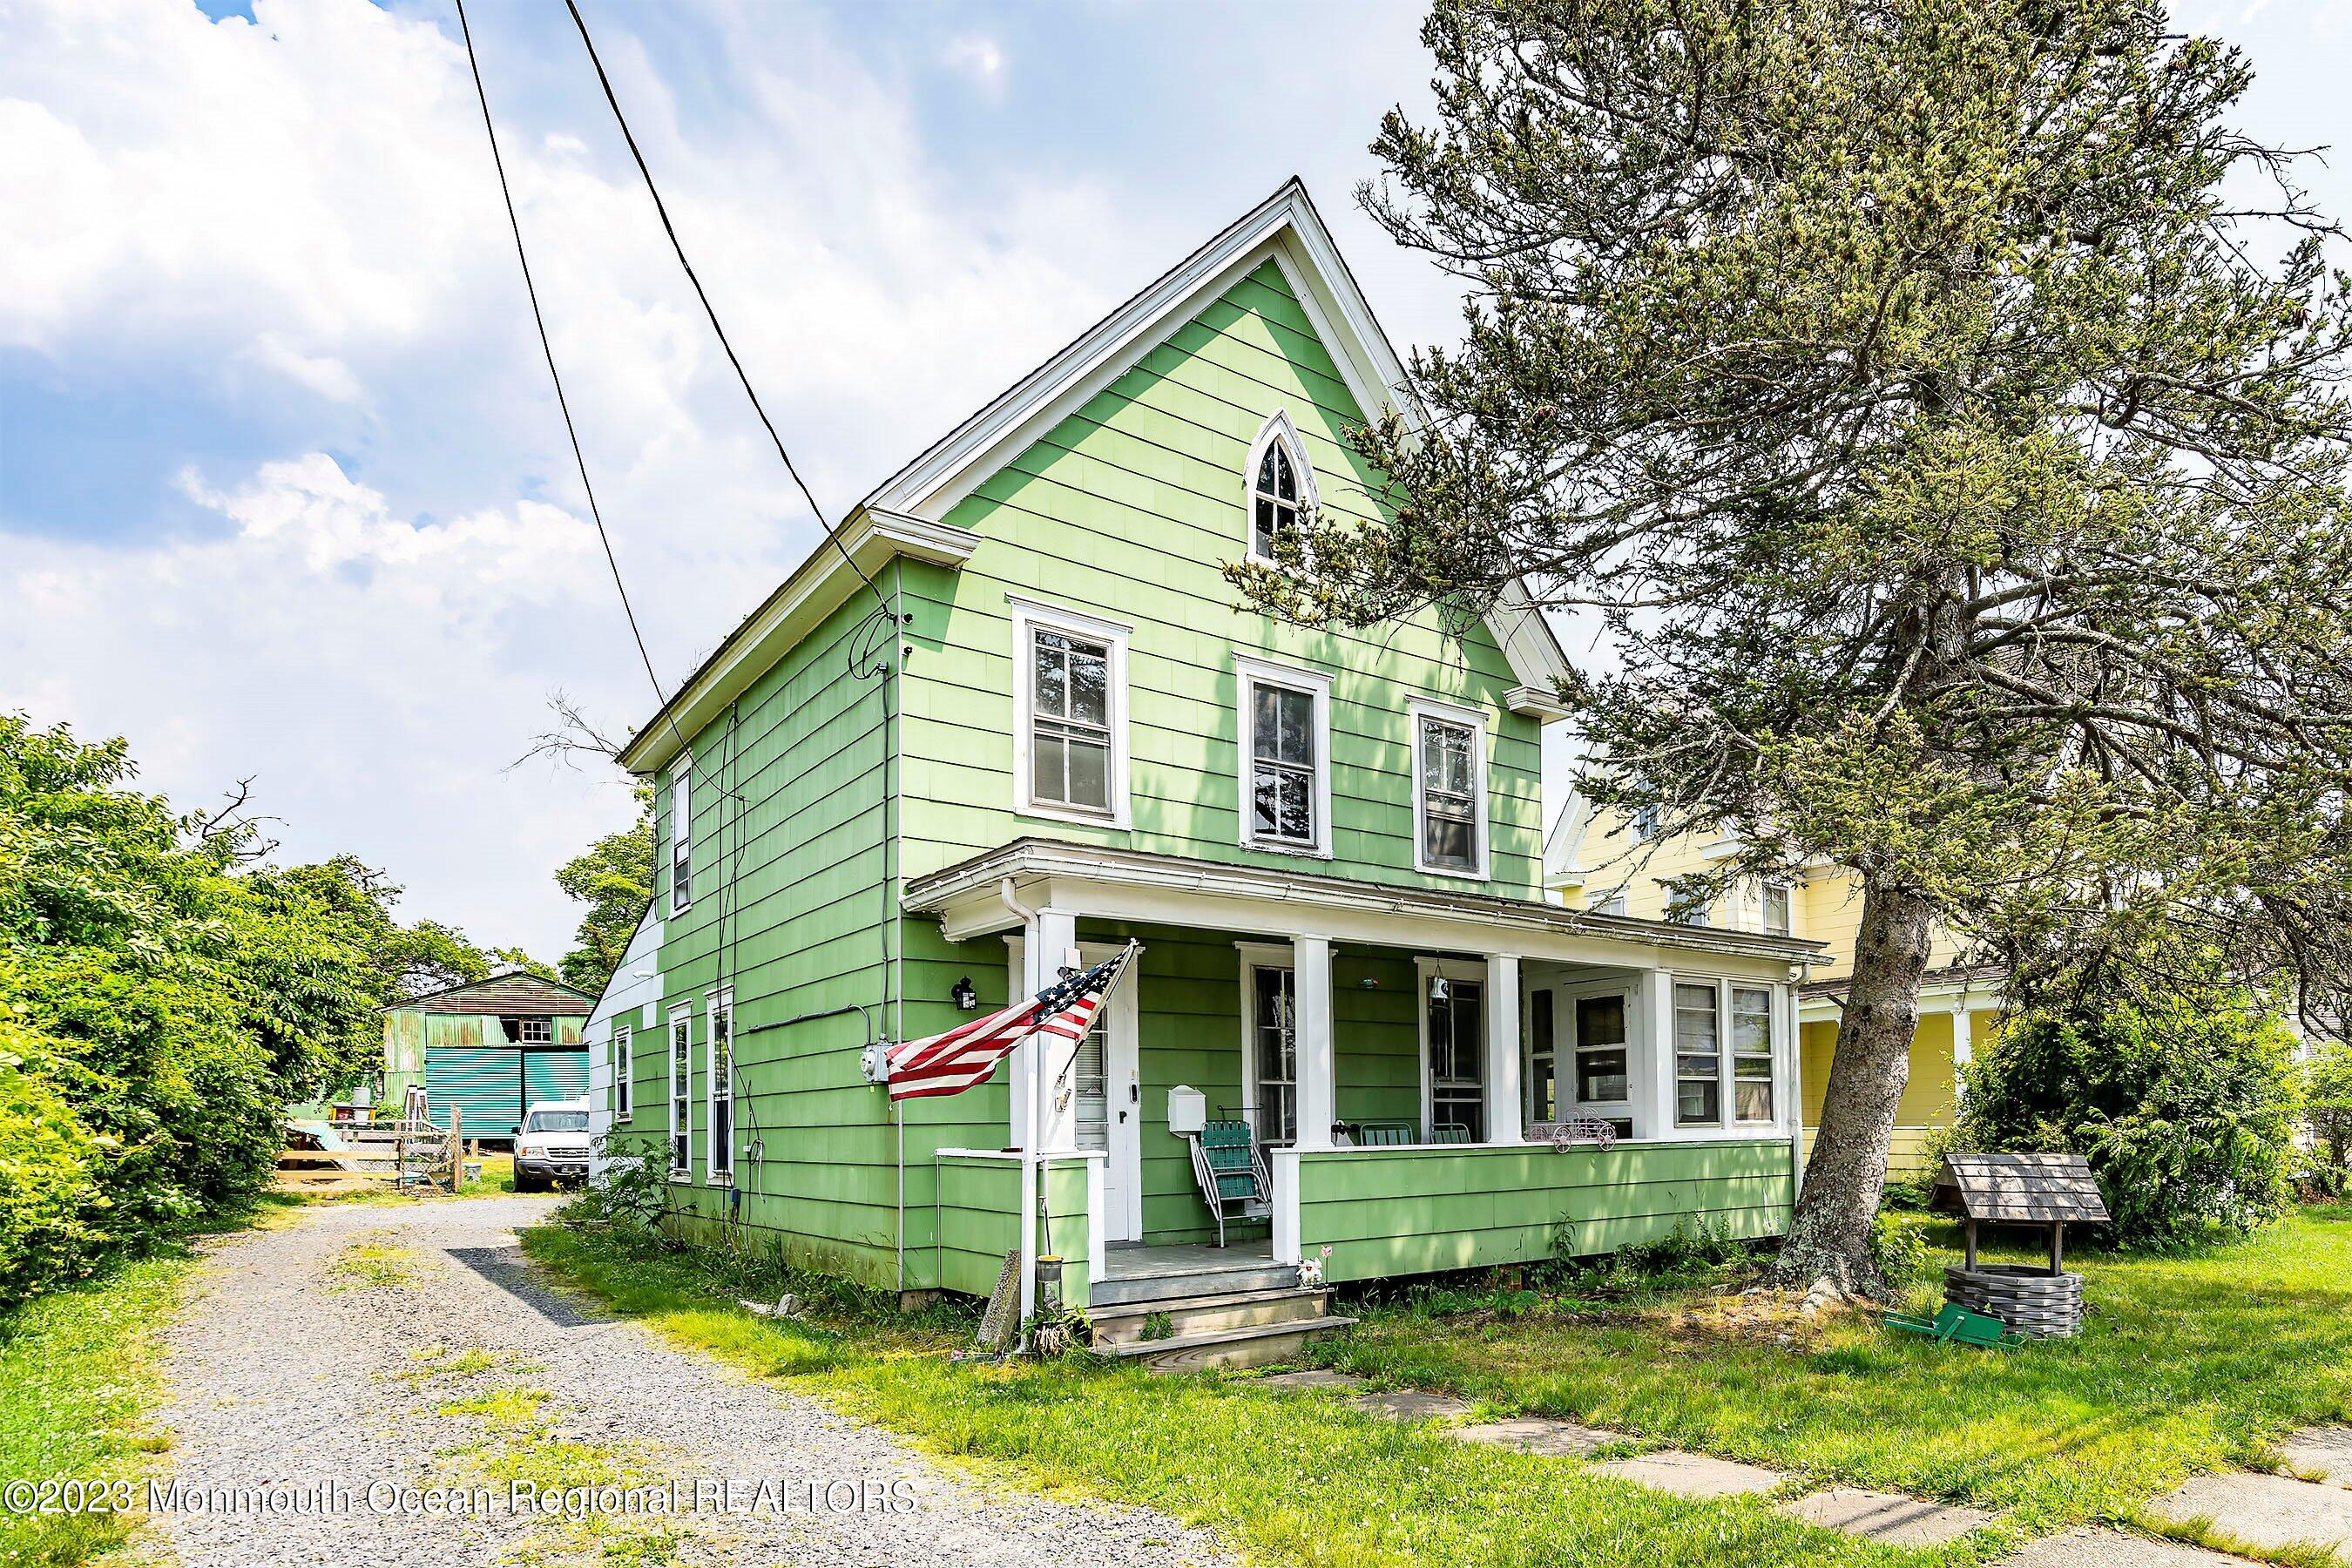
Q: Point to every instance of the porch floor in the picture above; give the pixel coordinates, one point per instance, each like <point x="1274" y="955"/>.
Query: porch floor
<point x="1135" y="1260"/>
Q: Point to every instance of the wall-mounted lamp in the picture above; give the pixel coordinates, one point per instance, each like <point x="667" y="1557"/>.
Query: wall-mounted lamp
<point x="965" y="998"/>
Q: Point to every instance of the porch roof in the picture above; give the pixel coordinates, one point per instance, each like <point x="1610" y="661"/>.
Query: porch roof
<point x="1174" y="889"/>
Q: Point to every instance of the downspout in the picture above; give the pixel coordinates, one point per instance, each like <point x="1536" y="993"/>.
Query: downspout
<point x="1031" y="1171"/>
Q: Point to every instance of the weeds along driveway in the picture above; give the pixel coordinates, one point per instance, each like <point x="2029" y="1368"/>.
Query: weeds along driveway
<point x="325" y="1374"/>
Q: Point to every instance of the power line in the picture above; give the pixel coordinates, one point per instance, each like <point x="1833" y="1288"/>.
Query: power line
<point x="538" y="319"/>
<point x="740" y="374"/>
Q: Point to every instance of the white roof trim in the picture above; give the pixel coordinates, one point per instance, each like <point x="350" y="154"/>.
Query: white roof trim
<point x="815" y="590"/>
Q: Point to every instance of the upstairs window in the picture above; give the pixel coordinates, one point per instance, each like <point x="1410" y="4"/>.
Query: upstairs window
<point x="1281" y="488"/>
<point x="681" y="841"/>
<point x="1449" y="790"/>
<point x="625" y="1074"/>
<point x="1285" y="730"/>
<point x="1776" y="908"/>
<point x="1070" y="715"/>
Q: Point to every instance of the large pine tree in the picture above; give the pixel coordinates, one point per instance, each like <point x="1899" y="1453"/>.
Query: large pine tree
<point x="1939" y="407"/>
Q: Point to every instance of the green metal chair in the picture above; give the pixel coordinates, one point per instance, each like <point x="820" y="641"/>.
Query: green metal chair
<point x="1450" y="1133"/>
<point x="1383" y="1134"/>
<point x="1231" y="1169"/>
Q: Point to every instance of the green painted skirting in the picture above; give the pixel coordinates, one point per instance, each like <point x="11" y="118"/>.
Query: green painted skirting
<point x="1389" y="1212"/>
<point x="980" y="1221"/>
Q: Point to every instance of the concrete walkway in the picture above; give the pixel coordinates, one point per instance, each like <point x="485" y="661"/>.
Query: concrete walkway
<point x="2266" y="1512"/>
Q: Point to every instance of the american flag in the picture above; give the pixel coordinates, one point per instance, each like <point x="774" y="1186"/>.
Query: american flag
<point x="964" y="1055"/>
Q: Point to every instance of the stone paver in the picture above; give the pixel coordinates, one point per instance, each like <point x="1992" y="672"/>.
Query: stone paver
<point x="2112" y="1549"/>
<point x="2268" y="1511"/>
<point x="2322" y="1451"/>
<point x="1315" y="1377"/>
<point x="1412" y="1405"/>
<point x="1538" y="1434"/>
<point x="1691" y="1475"/>
<point x="1886" y="1515"/>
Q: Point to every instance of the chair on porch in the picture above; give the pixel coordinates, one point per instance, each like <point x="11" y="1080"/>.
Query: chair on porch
<point x="1450" y="1133"/>
<point x="1384" y="1135"/>
<point x="1231" y="1169"/>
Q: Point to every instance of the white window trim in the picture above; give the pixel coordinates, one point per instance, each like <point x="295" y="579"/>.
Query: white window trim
<point x="1453" y="969"/>
<point x="1726" y="1092"/>
<point x="1764" y="891"/>
<point x="1257" y="955"/>
<point x="715" y="1173"/>
<point x="1250" y="673"/>
<point x="1030" y="615"/>
<point x="681" y="790"/>
<point x="1417" y="710"/>
<point x="621" y="1051"/>
<point x="680" y="1097"/>
<point x="1278" y="427"/>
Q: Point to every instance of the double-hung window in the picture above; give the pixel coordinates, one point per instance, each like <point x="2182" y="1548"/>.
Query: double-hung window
<point x="1070" y="715"/>
<point x="1603" y="1076"/>
<point x="720" y="1074"/>
<point x="682" y="1092"/>
<point x="1751" y="1054"/>
<point x="625" y="1073"/>
<point x="681" y="840"/>
<point x="1776" y="908"/>
<point x="1281" y="489"/>
<point x="1285" y="730"/>
<point x="1543" y="1060"/>
<point x="1707" y="1075"/>
<point x="1449" y="797"/>
<point x="1698" y="1056"/>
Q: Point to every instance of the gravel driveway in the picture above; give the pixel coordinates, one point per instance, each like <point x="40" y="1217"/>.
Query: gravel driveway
<point x="364" y="1349"/>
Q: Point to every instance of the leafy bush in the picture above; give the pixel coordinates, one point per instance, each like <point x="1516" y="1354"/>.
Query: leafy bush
<point x="1898" y="1245"/>
<point x="2327" y="1084"/>
<point x="2183" y="1101"/>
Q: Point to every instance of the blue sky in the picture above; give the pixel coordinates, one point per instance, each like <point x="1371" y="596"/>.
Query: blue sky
<point x="282" y="489"/>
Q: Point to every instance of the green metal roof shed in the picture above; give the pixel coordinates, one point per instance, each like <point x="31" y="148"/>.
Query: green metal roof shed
<point x="490" y="1049"/>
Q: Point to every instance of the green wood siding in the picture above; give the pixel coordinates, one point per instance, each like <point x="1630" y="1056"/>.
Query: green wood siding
<point x="1385" y="1212"/>
<point x="1129" y="510"/>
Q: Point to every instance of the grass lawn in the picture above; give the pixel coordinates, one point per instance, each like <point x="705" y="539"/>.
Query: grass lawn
<point x="2187" y="1364"/>
<point x="1301" y="1479"/>
<point x="77" y="1375"/>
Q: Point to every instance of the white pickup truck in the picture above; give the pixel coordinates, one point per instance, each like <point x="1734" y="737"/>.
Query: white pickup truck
<point x="551" y="1145"/>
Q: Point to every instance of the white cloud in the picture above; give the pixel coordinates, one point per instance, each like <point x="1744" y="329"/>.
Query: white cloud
<point x="978" y="57"/>
<point x="322" y="374"/>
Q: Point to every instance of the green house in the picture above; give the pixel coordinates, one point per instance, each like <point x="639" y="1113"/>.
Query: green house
<point x="491" y="1049"/>
<point x="1009" y="717"/>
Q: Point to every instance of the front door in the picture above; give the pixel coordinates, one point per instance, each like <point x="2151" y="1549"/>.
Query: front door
<point x="1106" y="1107"/>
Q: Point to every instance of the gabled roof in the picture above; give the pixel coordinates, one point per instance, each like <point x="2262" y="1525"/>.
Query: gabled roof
<point x="518" y="995"/>
<point x="1285" y="229"/>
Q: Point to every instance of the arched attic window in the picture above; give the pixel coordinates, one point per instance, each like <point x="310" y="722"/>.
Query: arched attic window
<point x="1281" y="486"/>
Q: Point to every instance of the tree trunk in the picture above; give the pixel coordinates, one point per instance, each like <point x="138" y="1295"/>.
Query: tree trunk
<point x="1829" y="1237"/>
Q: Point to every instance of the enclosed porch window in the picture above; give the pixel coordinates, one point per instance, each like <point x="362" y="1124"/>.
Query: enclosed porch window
<point x="1455" y="1040"/>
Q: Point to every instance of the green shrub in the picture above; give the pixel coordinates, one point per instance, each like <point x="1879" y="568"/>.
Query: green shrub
<point x="2183" y="1103"/>
<point x="2326" y="1084"/>
<point x="1898" y="1245"/>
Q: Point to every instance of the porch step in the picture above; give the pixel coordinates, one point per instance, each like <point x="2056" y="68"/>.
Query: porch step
<point x="1255" y="1344"/>
<point x="1117" y="1327"/>
<point x="1243" y="1275"/>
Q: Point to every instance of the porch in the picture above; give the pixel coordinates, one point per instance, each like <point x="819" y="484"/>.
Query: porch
<point x="1388" y="1049"/>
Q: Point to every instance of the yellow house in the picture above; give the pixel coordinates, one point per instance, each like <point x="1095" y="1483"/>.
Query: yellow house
<point x="1608" y="863"/>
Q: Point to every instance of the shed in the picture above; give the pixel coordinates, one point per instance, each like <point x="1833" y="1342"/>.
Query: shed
<point x="491" y="1049"/>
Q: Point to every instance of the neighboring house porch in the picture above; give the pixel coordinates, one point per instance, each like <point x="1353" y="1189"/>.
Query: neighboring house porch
<point x="1388" y="1048"/>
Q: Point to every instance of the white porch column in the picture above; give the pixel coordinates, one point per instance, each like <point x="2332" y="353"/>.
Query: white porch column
<point x="1653" y="1070"/>
<point x="1964" y="1049"/>
<point x="1058" y="939"/>
<point x="1311" y="1026"/>
<point x="1506" y="1120"/>
<point x="1017" y="970"/>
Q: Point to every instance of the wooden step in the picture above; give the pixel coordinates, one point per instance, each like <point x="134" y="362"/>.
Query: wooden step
<point x="1236" y="1279"/>
<point x="1126" y="1324"/>
<point x="1255" y="1345"/>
